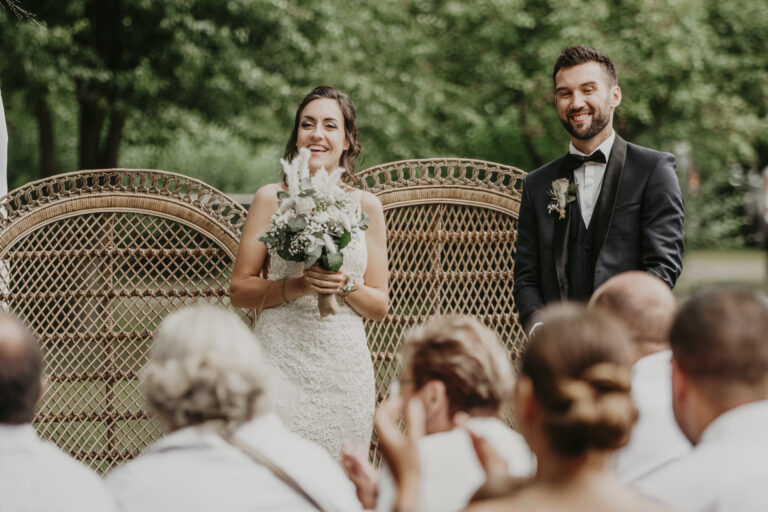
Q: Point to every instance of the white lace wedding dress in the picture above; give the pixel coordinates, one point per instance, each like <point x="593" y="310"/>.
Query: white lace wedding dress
<point x="324" y="387"/>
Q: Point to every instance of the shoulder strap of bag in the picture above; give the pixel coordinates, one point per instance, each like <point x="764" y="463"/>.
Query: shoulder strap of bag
<point x="277" y="471"/>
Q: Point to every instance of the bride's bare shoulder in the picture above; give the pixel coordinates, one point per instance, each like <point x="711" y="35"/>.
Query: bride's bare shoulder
<point x="270" y="189"/>
<point x="369" y="202"/>
<point x="268" y="193"/>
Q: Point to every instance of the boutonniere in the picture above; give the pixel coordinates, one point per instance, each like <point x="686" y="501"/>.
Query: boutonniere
<point x="561" y="193"/>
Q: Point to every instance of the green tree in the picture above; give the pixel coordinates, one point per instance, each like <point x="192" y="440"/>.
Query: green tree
<point x="141" y="62"/>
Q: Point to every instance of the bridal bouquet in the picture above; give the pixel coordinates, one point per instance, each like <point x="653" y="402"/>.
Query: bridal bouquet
<point x="314" y="221"/>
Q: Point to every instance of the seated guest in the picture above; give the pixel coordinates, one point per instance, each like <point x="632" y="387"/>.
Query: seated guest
<point x="720" y="395"/>
<point x="206" y="379"/>
<point x="459" y="369"/>
<point x="645" y="305"/>
<point x="572" y="405"/>
<point x="34" y="474"/>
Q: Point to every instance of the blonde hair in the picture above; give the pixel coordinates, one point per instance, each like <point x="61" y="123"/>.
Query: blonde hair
<point x="466" y="356"/>
<point x="580" y="364"/>
<point x="205" y="367"/>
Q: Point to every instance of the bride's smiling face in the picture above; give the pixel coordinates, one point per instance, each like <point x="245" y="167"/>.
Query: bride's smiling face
<point x="321" y="130"/>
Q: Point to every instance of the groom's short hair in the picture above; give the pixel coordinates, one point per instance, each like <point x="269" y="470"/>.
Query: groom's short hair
<point x="579" y="54"/>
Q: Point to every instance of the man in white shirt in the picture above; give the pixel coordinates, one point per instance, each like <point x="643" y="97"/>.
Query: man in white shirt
<point x="720" y="399"/>
<point x="34" y="474"/>
<point x="606" y="207"/>
<point x="646" y="306"/>
<point x="207" y="379"/>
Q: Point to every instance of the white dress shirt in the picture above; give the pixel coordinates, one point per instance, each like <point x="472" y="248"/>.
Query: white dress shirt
<point x="727" y="471"/>
<point x="37" y="476"/>
<point x="450" y="471"/>
<point x="589" y="178"/>
<point x="656" y="439"/>
<point x="194" y="469"/>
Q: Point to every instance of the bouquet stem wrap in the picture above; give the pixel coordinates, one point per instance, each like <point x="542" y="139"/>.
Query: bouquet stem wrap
<point x="327" y="304"/>
<point x="314" y="221"/>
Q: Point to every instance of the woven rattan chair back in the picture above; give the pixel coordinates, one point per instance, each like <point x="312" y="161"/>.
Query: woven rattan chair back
<point x="451" y="227"/>
<point x="92" y="261"/>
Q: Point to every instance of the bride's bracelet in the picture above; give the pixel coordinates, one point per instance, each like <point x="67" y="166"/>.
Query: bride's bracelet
<point x="349" y="287"/>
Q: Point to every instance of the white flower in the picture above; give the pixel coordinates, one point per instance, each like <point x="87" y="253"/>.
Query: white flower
<point x="329" y="243"/>
<point x="561" y="193"/>
<point x="296" y="170"/>
<point x="304" y="205"/>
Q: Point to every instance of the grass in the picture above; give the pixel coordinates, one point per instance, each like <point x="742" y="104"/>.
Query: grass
<point x="717" y="267"/>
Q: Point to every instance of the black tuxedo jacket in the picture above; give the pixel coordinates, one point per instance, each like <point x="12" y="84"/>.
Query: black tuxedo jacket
<point x="638" y="225"/>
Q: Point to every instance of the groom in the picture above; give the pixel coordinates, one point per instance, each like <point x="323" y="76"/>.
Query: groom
<point x="625" y="211"/>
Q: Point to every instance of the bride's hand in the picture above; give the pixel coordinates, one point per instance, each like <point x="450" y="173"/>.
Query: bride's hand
<point x="319" y="280"/>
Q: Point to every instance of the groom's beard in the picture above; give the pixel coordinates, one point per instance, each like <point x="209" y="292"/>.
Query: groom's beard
<point x="599" y="121"/>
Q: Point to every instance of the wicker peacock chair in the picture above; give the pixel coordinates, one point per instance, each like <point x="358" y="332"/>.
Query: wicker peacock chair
<point x="92" y="261"/>
<point x="451" y="228"/>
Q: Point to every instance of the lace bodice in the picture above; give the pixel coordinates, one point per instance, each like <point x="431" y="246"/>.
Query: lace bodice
<point x="324" y="386"/>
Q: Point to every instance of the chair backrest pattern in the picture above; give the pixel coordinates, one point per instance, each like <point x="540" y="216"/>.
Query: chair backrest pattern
<point x="451" y="228"/>
<point x="92" y="261"/>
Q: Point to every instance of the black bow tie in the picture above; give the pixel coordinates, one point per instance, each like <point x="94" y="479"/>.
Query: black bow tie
<point x="577" y="161"/>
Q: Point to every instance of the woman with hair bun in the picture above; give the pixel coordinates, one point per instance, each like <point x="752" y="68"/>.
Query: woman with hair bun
<point x="574" y="409"/>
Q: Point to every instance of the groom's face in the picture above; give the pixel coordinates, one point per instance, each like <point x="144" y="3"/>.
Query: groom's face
<point x="585" y="100"/>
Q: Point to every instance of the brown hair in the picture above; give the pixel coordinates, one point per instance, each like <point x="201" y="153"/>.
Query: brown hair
<point x="579" y="54"/>
<point x="466" y="357"/>
<point x="350" y="154"/>
<point x="579" y="362"/>
<point x="721" y="335"/>
<point x="21" y="364"/>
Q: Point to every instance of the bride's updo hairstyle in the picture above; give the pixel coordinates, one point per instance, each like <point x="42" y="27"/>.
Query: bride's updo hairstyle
<point x="350" y="154"/>
<point x="579" y="362"/>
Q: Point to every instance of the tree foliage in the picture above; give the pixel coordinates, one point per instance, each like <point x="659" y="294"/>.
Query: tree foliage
<point x="208" y="87"/>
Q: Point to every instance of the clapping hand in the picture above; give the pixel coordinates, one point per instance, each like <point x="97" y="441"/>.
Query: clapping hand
<point x="354" y="460"/>
<point x="401" y="451"/>
<point x="493" y="463"/>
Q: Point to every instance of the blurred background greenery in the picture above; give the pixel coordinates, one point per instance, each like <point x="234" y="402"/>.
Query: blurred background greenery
<point x="208" y="88"/>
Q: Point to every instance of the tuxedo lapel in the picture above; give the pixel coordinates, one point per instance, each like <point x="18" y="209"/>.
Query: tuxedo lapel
<point x="603" y="214"/>
<point x="561" y="234"/>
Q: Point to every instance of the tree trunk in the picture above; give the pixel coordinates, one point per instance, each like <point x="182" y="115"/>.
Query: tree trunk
<point x="48" y="163"/>
<point x="109" y="157"/>
<point x="530" y="148"/>
<point x="92" y="115"/>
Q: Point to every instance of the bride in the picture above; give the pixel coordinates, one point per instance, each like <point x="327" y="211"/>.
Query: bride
<point x="325" y="389"/>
